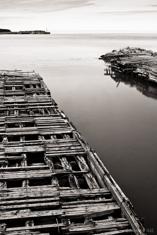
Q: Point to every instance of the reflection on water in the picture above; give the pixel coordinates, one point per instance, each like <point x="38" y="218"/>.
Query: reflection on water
<point x="148" y="89"/>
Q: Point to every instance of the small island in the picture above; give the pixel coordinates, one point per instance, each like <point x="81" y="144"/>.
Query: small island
<point x="8" y="31"/>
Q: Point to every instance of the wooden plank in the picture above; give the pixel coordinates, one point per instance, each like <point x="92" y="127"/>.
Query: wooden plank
<point x="21" y="131"/>
<point x="55" y="131"/>
<point x="83" y="193"/>
<point x="99" y="227"/>
<point x="22" y="168"/>
<point x="26" y="175"/>
<point x="36" y="206"/>
<point x="38" y="174"/>
<point x="37" y="227"/>
<point x="26" y="194"/>
<point x="62" y="143"/>
<point x="21" y="149"/>
<point x="18" y="119"/>
<point x="49" y="191"/>
<point x="94" y="201"/>
<point x="91" y="210"/>
<point x="17" y="214"/>
<point x="65" y="148"/>
<point x="19" y="201"/>
<point x="65" y="153"/>
<point x="25" y="232"/>
<point x="88" y="205"/>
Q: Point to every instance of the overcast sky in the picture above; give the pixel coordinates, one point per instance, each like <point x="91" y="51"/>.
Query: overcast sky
<point x="70" y="15"/>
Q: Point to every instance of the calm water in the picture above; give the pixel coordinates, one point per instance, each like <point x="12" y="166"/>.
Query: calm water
<point x="118" y="122"/>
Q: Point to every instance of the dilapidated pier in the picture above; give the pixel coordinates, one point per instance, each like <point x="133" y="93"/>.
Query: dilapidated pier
<point x="51" y="181"/>
<point x="139" y="62"/>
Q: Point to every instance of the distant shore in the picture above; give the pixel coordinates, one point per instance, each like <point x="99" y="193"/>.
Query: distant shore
<point x="8" y="31"/>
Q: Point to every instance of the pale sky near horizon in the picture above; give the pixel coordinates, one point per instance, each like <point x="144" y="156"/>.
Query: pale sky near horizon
<point x="82" y="15"/>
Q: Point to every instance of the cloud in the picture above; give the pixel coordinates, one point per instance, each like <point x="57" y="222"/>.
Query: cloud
<point x="42" y="5"/>
<point x="129" y="12"/>
<point x="78" y="14"/>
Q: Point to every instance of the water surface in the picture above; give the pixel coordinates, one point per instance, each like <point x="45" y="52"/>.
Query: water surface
<point x="118" y="122"/>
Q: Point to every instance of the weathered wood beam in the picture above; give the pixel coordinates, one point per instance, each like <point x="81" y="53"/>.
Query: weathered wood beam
<point x="26" y="205"/>
<point x="91" y="210"/>
<point x="37" y="227"/>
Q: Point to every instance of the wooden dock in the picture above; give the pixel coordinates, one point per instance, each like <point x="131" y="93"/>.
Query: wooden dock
<point x="51" y="181"/>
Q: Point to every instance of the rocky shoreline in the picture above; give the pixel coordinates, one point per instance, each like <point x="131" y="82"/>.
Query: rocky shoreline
<point x="8" y="31"/>
<point x="140" y="62"/>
